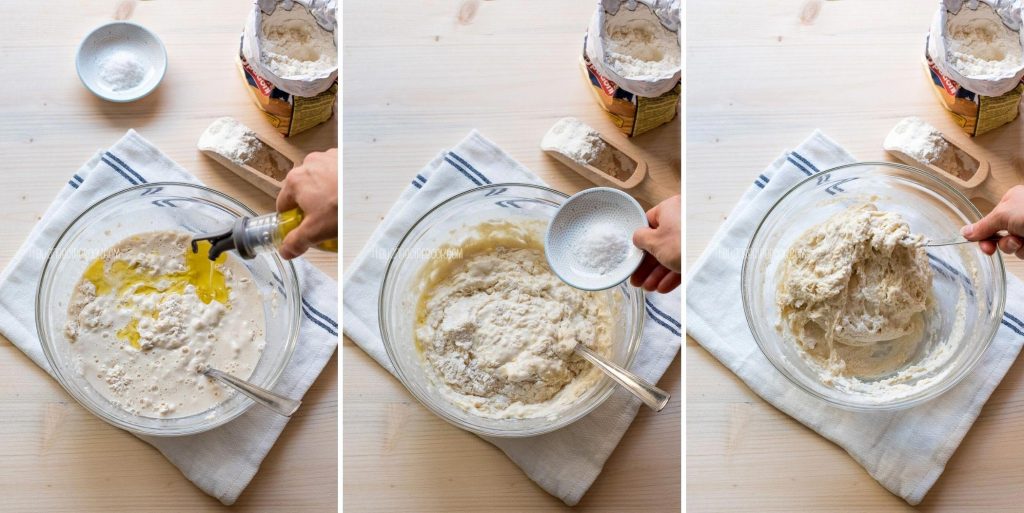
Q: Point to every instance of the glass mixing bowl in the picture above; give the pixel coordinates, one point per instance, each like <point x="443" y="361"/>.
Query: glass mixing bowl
<point x="932" y="209"/>
<point x="400" y="295"/>
<point x="146" y="208"/>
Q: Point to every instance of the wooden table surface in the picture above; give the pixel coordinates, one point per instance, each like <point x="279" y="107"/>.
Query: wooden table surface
<point x="418" y="77"/>
<point x="761" y="80"/>
<point x="54" y="455"/>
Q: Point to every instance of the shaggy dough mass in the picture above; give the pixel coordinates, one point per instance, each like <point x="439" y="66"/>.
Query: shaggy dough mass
<point x="852" y="291"/>
<point x="498" y="328"/>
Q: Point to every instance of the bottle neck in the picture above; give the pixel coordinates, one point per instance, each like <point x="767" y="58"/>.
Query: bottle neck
<point x="258" y="234"/>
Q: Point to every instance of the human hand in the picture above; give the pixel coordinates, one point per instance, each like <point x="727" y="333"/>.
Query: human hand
<point x="1007" y="215"/>
<point x="313" y="187"/>
<point x="662" y="265"/>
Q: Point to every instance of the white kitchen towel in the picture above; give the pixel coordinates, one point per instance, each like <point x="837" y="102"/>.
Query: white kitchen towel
<point x="905" y="451"/>
<point x="565" y="462"/>
<point x="221" y="462"/>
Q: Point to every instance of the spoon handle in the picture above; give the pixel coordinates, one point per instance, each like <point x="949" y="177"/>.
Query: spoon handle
<point x="652" y="396"/>
<point x="960" y="240"/>
<point x="279" y="404"/>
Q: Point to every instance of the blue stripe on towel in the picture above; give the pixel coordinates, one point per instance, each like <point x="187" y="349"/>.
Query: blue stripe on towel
<point x="805" y="161"/>
<point x="663" y="323"/>
<point x="463" y="171"/>
<point x="791" y="160"/>
<point x="470" y="167"/>
<point x="1012" y="327"/>
<point x="126" y="167"/>
<point x="1014" y="319"/>
<point x="319" y="313"/>
<point x="318" y="323"/>
<point x="119" y="171"/>
<point x="666" y="316"/>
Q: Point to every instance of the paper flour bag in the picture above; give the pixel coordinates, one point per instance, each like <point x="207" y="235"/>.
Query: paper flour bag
<point x="631" y="55"/>
<point x="289" y="60"/>
<point x="975" y="57"/>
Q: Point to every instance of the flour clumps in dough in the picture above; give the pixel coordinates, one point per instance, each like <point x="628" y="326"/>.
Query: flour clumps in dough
<point x="498" y="329"/>
<point x="857" y="280"/>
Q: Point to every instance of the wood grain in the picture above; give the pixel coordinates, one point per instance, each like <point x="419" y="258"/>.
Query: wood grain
<point x="761" y="80"/>
<point x="55" y="455"/>
<point x="418" y="77"/>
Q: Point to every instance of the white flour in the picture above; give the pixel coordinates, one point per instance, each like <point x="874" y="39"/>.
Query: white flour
<point x="581" y="143"/>
<point x="141" y="332"/>
<point x="293" y="45"/>
<point x="498" y="328"/>
<point x="602" y="248"/>
<point x="979" y="45"/>
<point x="235" y="141"/>
<point x="121" y="70"/>
<point x="637" y="46"/>
<point x="924" y="144"/>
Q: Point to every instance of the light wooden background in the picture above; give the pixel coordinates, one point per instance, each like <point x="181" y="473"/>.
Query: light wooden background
<point x="418" y="77"/>
<point x="762" y="76"/>
<point x="54" y="455"/>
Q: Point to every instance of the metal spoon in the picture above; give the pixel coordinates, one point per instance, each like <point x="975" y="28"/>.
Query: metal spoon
<point x="279" y="404"/>
<point x="928" y="243"/>
<point x="652" y="396"/>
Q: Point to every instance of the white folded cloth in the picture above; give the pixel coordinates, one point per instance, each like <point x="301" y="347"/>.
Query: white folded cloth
<point x="565" y="462"/>
<point x="906" y="450"/>
<point x="221" y="462"/>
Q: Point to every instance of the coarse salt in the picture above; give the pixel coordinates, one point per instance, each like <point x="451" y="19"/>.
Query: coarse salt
<point x="602" y="248"/>
<point x="121" y="70"/>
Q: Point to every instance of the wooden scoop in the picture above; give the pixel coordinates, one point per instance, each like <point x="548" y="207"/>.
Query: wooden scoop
<point x="263" y="181"/>
<point x="601" y="177"/>
<point x="982" y="184"/>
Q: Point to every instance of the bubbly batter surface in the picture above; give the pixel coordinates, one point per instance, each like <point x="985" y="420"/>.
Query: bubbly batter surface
<point x="150" y="316"/>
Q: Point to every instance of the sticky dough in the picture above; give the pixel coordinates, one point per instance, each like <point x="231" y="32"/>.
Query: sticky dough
<point x="851" y="283"/>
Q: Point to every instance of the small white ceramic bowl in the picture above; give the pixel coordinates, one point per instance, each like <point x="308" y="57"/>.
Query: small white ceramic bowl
<point x="618" y="212"/>
<point x="117" y="36"/>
